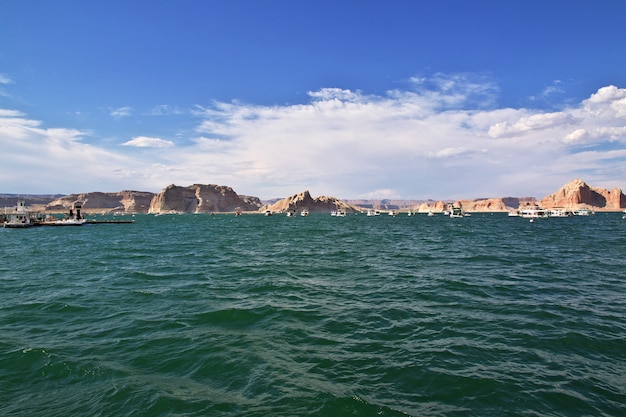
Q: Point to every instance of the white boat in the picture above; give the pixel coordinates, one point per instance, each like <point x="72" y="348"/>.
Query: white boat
<point x="373" y="212"/>
<point x="304" y="212"/>
<point x="392" y="212"/>
<point x="514" y="213"/>
<point x="533" y="213"/>
<point x="19" y="218"/>
<point x="584" y="212"/>
<point x="66" y="222"/>
<point x="558" y="212"/>
<point x="457" y="212"/>
<point x="431" y="213"/>
<point x="74" y="217"/>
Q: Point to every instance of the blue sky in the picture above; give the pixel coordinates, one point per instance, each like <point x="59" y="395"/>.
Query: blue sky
<point x="356" y="99"/>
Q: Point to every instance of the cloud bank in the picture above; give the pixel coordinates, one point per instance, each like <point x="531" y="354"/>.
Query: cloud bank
<point x="442" y="138"/>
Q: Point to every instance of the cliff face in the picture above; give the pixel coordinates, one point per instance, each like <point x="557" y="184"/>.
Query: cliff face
<point x="199" y="198"/>
<point x="480" y="204"/>
<point x="303" y="200"/>
<point x="124" y="201"/>
<point x="577" y="194"/>
<point x="486" y="204"/>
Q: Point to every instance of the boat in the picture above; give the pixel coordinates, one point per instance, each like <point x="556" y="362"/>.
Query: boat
<point x="338" y="213"/>
<point x="392" y="213"/>
<point x="431" y="213"/>
<point x="291" y="213"/>
<point x="304" y="212"/>
<point x="457" y="212"/>
<point x="559" y="212"/>
<point x="533" y="213"/>
<point x="514" y="213"/>
<point x="584" y="212"/>
<point x="268" y="212"/>
<point x="74" y="217"/>
<point x="65" y="222"/>
<point x="19" y="218"/>
<point x="372" y="212"/>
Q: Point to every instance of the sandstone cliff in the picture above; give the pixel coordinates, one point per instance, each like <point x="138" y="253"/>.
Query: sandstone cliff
<point x="123" y="201"/>
<point x="298" y="202"/>
<point x="576" y="194"/>
<point x="199" y="198"/>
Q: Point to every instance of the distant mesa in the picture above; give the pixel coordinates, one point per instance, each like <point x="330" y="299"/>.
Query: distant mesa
<point x="304" y="201"/>
<point x="123" y="201"/>
<point x="211" y="198"/>
<point x="200" y="198"/>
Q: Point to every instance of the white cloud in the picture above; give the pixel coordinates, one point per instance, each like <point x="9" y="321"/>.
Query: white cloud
<point x="10" y="113"/>
<point x="5" y="79"/>
<point x="527" y="124"/>
<point x="122" y="112"/>
<point x="577" y="135"/>
<point x="35" y="159"/>
<point x="148" y="142"/>
<point x="436" y="141"/>
<point x="164" y="110"/>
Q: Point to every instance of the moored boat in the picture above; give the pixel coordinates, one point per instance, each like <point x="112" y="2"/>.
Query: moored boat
<point x="584" y="212"/>
<point x="19" y="218"/>
<point x="559" y="212"/>
<point x="533" y="213"/>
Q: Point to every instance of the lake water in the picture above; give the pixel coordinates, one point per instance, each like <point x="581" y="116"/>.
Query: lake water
<point x="195" y="315"/>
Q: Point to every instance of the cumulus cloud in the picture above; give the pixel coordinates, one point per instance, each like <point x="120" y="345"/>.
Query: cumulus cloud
<point x="524" y="125"/>
<point x="437" y="139"/>
<point x="347" y="137"/>
<point x="36" y="159"/>
<point x="148" y="142"/>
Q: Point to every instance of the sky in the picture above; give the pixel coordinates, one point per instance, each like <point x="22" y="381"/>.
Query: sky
<point x="394" y="99"/>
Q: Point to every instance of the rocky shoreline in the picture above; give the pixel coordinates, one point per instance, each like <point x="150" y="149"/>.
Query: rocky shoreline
<point x="211" y="198"/>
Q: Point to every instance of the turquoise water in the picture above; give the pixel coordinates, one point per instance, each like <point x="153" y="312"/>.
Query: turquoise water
<point x="193" y="315"/>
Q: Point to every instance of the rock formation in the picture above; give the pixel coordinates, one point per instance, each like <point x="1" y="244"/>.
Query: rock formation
<point x="303" y="200"/>
<point x="576" y="194"/>
<point x="199" y="198"/>
<point x="123" y="201"/>
<point x="436" y="206"/>
<point x="482" y="204"/>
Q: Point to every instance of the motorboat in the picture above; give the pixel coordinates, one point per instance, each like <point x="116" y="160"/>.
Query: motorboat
<point x="457" y="212"/>
<point x="584" y="212"/>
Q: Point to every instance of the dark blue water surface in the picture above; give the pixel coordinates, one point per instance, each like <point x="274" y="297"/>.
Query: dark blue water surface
<point x="195" y="315"/>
